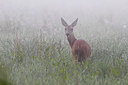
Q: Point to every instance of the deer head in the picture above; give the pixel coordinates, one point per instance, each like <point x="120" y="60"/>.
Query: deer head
<point x="68" y="28"/>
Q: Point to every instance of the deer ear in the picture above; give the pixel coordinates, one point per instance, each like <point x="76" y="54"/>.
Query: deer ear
<point x="64" y="22"/>
<point x="74" y="23"/>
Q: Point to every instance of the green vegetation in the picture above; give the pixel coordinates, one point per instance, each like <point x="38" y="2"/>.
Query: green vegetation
<point x="40" y="60"/>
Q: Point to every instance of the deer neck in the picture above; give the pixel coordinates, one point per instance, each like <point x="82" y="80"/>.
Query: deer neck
<point x="71" y="39"/>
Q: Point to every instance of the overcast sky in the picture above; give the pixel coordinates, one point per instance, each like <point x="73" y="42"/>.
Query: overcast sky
<point x="63" y="4"/>
<point x="11" y="7"/>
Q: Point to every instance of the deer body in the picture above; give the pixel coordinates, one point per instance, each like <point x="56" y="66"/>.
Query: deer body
<point x="80" y="48"/>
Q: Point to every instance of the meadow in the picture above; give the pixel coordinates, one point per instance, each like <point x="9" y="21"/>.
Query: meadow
<point x="35" y="51"/>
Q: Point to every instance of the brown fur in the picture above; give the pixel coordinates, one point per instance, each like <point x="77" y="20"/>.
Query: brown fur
<point x="81" y="50"/>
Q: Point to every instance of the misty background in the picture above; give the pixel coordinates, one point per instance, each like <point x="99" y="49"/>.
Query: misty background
<point x="96" y="17"/>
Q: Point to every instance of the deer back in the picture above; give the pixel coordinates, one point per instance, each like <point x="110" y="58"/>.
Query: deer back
<point x="81" y="50"/>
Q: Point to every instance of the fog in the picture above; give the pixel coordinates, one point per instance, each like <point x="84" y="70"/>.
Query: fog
<point x="35" y="14"/>
<point x="87" y="6"/>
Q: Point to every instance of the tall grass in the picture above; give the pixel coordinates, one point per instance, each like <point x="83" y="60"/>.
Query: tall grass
<point x="42" y="60"/>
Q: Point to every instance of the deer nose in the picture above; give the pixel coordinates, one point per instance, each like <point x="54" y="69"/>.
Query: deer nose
<point x="67" y="34"/>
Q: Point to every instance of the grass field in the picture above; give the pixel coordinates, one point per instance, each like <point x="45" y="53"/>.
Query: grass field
<point x="34" y="49"/>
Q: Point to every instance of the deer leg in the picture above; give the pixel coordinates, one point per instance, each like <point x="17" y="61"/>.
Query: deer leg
<point x="75" y="59"/>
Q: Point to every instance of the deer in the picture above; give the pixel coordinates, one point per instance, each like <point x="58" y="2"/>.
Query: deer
<point x="80" y="48"/>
